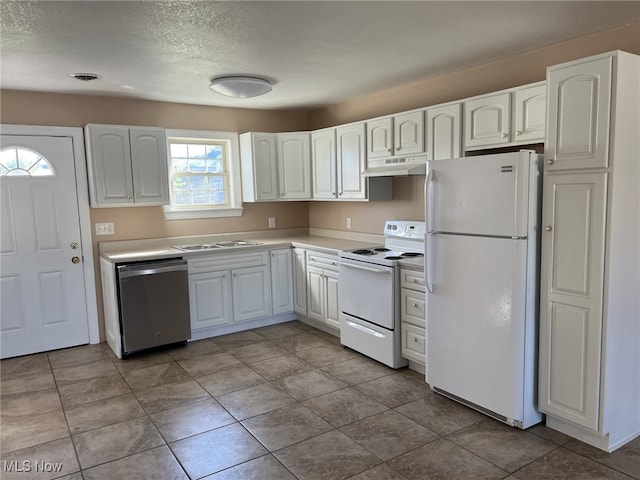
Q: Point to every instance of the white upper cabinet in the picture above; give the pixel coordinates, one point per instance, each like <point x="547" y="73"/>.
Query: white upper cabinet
<point x="408" y="133"/>
<point x="399" y="135"/>
<point x="259" y="167"/>
<point x="351" y="161"/>
<point x="127" y="165"/>
<point x="579" y="133"/>
<point x="487" y="121"/>
<point x="323" y="161"/>
<point x="380" y="138"/>
<point x="443" y="131"/>
<point x="511" y="117"/>
<point x="294" y="165"/>
<point x="529" y="105"/>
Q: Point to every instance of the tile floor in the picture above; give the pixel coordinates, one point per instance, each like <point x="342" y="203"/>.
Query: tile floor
<point x="275" y="403"/>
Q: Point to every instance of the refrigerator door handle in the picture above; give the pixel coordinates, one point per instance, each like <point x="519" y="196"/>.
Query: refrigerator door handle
<point x="427" y="212"/>
<point x="427" y="203"/>
<point x="427" y="263"/>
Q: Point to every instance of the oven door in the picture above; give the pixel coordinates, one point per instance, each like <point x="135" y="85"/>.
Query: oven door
<point x="367" y="291"/>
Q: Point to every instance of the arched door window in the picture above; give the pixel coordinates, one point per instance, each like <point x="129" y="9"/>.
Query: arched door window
<point x="20" y="161"/>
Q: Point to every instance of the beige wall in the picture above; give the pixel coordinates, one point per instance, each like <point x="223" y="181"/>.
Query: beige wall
<point x="505" y="73"/>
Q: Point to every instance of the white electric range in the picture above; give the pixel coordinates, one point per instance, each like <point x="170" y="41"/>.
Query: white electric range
<point x="369" y="292"/>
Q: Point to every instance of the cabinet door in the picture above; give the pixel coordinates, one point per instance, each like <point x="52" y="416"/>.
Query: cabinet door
<point x="578" y="115"/>
<point x="300" y="280"/>
<point x="529" y="114"/>
<point x="210" y="299"/>
<point x="487" y="121"/>
<point x="571" y="296"/>
<point x="315" y="293"/>
<point x="351" y="161"/>
<point x="149" y="166"/>
<point x="408" y="133"/>
<point x="109" y="165"/>
<point x="323" y="161"/>
<point x="281" y="281"/>
<point x="379" y="138"/>
<point x="251" y="293"/>
<point x="443" y="132"/>
<point x="294" y="166"/>
<point x="259" y="167"/>
<point x="332" y="307"/>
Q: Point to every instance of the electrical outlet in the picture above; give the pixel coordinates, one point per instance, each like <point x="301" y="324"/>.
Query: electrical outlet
<point x="272" y="222"/>
<point x="105" y="228"/>
<point x="348" y="222"/>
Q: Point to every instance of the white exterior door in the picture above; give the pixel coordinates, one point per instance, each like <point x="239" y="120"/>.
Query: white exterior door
<point x="43" y="303"/>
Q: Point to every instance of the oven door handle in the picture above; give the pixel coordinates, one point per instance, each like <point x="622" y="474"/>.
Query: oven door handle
<point x="357" y="326"/>
<point x="358" y="267"/>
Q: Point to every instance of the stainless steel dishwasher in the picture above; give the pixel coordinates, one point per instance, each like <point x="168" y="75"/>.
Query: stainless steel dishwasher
<point x="153" y="299"/>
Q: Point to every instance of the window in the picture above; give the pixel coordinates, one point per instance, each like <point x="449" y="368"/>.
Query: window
<point x="204" y="174"/>
<point x="24" y="162"/>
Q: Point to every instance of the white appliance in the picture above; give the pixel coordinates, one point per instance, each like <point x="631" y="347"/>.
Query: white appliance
<point x="481" y="273"/>
<point x="369" y="292"/>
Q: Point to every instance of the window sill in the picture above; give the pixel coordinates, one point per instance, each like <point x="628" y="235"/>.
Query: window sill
<point x="170" y="214"/>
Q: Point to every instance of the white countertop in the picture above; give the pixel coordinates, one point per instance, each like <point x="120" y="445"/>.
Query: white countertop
<point x="159" y="248"/>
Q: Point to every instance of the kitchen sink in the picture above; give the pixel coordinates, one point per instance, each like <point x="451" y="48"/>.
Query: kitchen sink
<point x="210" y="246"/>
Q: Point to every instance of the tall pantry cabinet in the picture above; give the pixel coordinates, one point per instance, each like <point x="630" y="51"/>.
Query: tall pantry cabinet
<point x="589" y="379"/>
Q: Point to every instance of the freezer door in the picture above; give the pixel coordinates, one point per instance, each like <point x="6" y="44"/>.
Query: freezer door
<point x="483" y="195"/>
<point x="476" y="320"/>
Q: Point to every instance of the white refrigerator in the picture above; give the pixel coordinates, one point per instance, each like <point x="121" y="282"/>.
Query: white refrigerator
<point x="481" y="272"/>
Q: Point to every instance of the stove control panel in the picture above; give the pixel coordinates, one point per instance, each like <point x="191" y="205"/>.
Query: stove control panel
<point x="404" y="229"/>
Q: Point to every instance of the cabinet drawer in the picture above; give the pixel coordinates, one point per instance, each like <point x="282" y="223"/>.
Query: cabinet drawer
<point x="216" y="261"/>
<point x="412" y="307"/>
<point x="329" y="262"/>
<point x="414" y="346"/>
<point x="412" y="279"/>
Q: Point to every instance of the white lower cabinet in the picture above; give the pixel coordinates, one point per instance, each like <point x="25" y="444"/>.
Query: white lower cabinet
<point x="300" y="281"/>
<point x="281" y="281"/>
<point x="322" y="288"/>
<point x="210" y="299"/>
<point x="412" y="315"/>
<point x="225" y="289"/>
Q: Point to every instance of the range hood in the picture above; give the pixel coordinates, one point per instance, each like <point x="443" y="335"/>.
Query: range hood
<point x="396" y="167"/>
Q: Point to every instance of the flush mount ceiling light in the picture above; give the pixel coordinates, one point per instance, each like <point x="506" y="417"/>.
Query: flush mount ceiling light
<point x="240" y="86"/>
<point x="86" y="77"/>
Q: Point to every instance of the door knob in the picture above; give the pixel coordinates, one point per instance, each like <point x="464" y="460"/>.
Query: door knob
<point x="75" y="259"/>
<point x="74" y="245"/>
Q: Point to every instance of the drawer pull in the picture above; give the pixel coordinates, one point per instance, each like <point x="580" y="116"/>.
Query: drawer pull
<point x="414" y="305"/>
<point x="415" y="339"/>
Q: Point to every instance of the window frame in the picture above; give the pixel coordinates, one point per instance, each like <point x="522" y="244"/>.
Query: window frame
<point x="234" y="208"/>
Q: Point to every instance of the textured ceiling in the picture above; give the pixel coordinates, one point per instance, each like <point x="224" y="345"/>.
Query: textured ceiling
<point x="315" y="53"/>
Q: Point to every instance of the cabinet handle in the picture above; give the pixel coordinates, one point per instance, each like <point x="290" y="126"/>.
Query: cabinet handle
<point x="415" y="340"/>
<point x="335" y="264"/>
<point x="398" y="149"/>
<point x="224" y="275"/>
<point x="548" y="228"/>
<point x="518" y="133"/>
<point x="388" y="150"/>
<point x="505" y="135"/>
<point x="235" y="274"/>
<point x="130" y="199"/>
<point x="550" y="161"/>
<point x="414" y="280"/>
<point x="273" y="254"/>
<point x="414" y="305"/>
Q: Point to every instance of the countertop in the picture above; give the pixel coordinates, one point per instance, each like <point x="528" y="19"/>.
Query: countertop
<point x="159" y="248"/>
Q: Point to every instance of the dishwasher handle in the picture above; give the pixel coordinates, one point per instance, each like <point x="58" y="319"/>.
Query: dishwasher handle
<point x="152" y="268"/>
